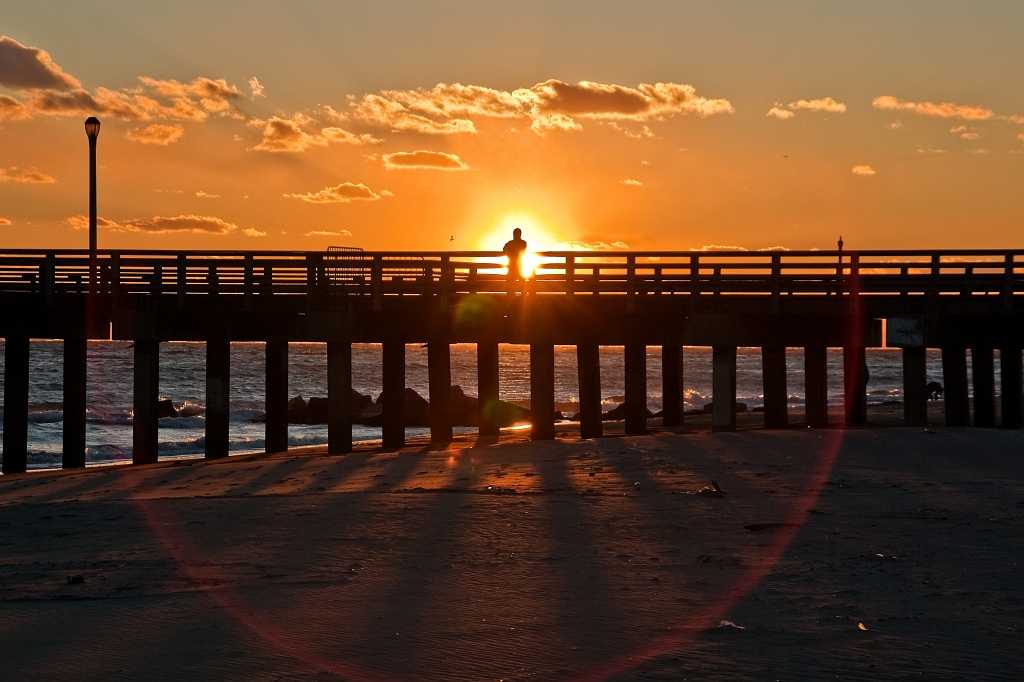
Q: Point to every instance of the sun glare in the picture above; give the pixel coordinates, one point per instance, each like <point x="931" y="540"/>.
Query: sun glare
<point x="536" y="236"/>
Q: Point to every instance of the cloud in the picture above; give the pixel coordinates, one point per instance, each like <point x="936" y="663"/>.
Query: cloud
<point x="329" y="233"/>
<point x="193" y="224"/>
<point x="966" y="112"/>
<point x="213" y="94"/>
<point x="895" y="125"/>
<point x="338" y="194"/>
<point x="12" y="110"/>
<point x="256" y="88"/>
<point x="25" y="176"/>
<point x="424" y="160"/>
<point x="448" y="109"/>
<point x="596" y="245"/>
<point x="827" y="105"/>
<point x="4" y="222"/>
<point x="1020" y="136"/>
<point x="930" y="150"/>
<point x="298" y="133"/>
<point x="721" y="247"/>
<point x="780" y="113"/>
<point x="863" y="170"/>
<point x="156" y="133"/>
<point x="201" y="194"/>
<point x="632" y="182"/>
<point x="965" y="132"/>
<point x="30" y="68"/>
<point x="641" y="133"/>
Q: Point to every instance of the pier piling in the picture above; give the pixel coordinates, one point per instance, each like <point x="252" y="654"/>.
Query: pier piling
<point x="339" y="395"/>
<point x="1010" y="385"/>
<point x="218" y="391"/>
<point x="74" y="402"/>
<point x="145" y="403"/>
<point x="588" y="368"/>
<point x="915" y="381"/>
<point x="439" y="378"/>
<point x="816" y="385"/>
<point x="636" y="388"/>
<point x="671" y="384"/>
<point x="277" y="395"/>
<point x="487" y="386"/>
<point x="723" y="388"/>
<point x="16" y="356"/>
<point x="984" y="384"/>
<point x="542" y="390"/>
<point x="393" y="395"/>
<point x="954" y="380"/>
<point x="773" y="377"/>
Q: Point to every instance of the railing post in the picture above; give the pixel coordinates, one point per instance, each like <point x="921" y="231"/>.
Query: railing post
<point x="156" y="281"/>
<point x="776" y="277"/>
<point x="247" y="281"/>
<point x="46" y="276"/>
<point x="1008" y="280"/>
<point x="182" y="279"/>
<point x="570" y="275"/>
<point x="268" y="279"/>
<point x="115" y="279"/>
<point x="213" y="280"/>
<point x="377" y="279"/>
<point x="936" y="269"/>
<point x="694" y="278"/>
<point x="16" y="371"/>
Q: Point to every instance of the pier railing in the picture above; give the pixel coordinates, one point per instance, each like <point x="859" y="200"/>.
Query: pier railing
<point x="383" y="273"/>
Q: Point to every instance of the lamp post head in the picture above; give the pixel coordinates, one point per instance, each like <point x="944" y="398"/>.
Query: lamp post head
<point x="92" y="127"/>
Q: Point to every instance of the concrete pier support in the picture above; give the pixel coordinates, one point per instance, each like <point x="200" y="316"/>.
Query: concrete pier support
<point x="671" y="384"/>
<point x="983" y="382"/>
<point x="915" y="379"/>
<point x="1010" y="380"/>
<point x="74" y="402"/>
<point x="954" y="381"/>
<point x="773" y="378"/>
<point x="339" y="396"/>
<point x="393" y="425"/>
<point x="816" y="385"/>
<point x="588" y="368"/>
<point x="855" y="385"/>
<point x="277" y="396"/>
<point x="542" y="390"/>
<point x="218" y="392"/>
<point x="439" y="377"/>
<point x="487" y="386"/>
<point x="146" y="396"/>
<point x="636" y="388"/>
<point x="723" y="388"/>
<point x="16" y="350"/>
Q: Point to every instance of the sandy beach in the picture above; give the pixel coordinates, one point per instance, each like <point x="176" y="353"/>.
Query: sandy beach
<point x="883" y="553"/>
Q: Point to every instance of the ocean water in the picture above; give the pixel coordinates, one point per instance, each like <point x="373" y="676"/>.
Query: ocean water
<point x="182" y="379"/>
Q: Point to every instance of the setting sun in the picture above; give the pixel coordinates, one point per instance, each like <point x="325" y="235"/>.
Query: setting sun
<point x="537" y="237"/>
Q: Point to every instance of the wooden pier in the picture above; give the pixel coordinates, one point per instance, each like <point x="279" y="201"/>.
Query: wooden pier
<point x="956" y="300"/>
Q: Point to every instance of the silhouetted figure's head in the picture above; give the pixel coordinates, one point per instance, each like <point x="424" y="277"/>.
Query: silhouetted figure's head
<point x="517" y="233"/>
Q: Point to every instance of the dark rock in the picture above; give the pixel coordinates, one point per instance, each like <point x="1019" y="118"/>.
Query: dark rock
<point x="165" y="408"/>
<point x="740" y="407"/>
<point x="619" y="412"/>
<point x="297" y="412"/>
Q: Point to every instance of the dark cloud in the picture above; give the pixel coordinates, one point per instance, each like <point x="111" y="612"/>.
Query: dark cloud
<point x="423" y="159"/>
<point x="29" y="68"/>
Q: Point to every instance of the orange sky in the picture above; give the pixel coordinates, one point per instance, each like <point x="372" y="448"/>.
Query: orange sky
<point x="401" y="127"/>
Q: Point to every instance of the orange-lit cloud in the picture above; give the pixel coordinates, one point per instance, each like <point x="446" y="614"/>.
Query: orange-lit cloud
<point x="966" y="112"/>
<point x="1020" y="136"/>
<point x="424" y="160"/>
<point x="449" y="109"/>
<point x="12" y="110"/>
<point x="863" y="170"/>
<point x="339" y="194"/>
<point x="328" y="233"/>
<point x="25" y="176"/>
<point x="4" y="222"/>
<point x="827" y="105"/>
<point x="965" y="132"/>
<point x="156" y="133"/>
<point x="596" y="245"/>
<point x="30" y="68"/>
<point x="256" y="88"/>
<point x="299" y="133"/>
<point x="778" y="112"/>
<point x="202" y="194"/>
<point x="193" y="224"/>
<point x="632" y="182"/>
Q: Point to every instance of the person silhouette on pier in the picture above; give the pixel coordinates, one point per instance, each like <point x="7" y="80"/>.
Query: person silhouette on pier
<point x="514" y="250"/>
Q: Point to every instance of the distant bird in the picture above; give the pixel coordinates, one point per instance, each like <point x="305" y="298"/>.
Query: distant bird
<point x="451" y="238"/>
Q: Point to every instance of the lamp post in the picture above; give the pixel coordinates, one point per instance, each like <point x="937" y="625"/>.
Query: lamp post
<point x="92" y="131"/>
